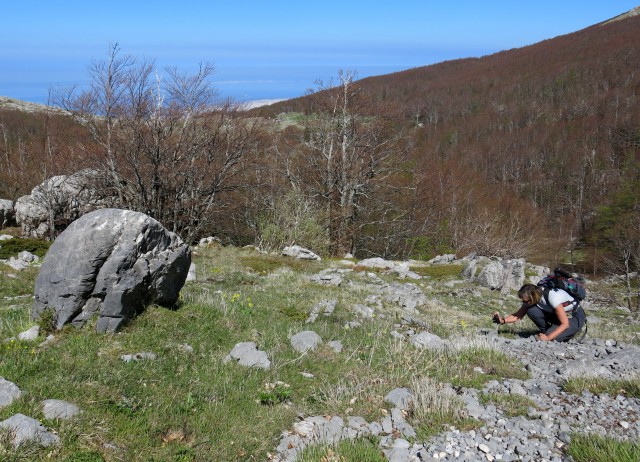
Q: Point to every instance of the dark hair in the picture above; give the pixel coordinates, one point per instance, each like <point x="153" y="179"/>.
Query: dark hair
<point x="533" y="293"/>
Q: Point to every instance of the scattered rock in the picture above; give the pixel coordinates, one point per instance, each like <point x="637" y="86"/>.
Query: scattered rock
<point x="7" y="214"/>
<point x="305" y="341"/>
<point x="23" y="261"/>
<point x="247" y="354"/>
<point x="58" y="409"/>
<point x="30" y="335"/>
<point x="210" y="241"/>
<point x="401" y="398"/>
<point x="9" y="392"/>
<point x="326" y="307"/>
<point x="26" y="429"/>
<point x="301" y="253"/>
<point x="427" y="340"/>
<point x="329" y="277"/>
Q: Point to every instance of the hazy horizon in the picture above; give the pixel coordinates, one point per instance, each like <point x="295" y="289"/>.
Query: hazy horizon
<point x="276" y="50"/>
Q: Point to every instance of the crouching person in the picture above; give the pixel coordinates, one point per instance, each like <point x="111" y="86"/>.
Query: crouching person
<point x="557" y="314"/>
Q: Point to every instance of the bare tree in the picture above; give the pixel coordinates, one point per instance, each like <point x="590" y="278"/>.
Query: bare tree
<point x="347" y="148"/>
<point x="168" y="147"/>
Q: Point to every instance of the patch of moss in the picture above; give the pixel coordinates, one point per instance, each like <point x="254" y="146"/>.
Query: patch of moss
<point x="12" y="247"/>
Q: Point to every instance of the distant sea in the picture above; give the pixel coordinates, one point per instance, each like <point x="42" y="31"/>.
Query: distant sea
<point x="245" y="85"/>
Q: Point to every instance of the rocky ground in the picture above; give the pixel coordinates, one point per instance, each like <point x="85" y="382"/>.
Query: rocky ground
<point x="539" y="436"/>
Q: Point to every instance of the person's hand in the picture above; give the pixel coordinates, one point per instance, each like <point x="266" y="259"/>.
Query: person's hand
<point x="497" y="319"/>
<point x="543" y="337"/>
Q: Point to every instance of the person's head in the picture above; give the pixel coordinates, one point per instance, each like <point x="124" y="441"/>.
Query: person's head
<point x="530" y="294"/>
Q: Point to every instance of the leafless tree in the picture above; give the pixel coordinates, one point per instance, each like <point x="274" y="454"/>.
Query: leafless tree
<point x="347" y="148"/>
<point x="168" y="146"/>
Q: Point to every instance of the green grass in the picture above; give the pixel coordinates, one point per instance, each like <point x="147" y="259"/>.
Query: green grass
<point x="12" y="247"/>
<point x="596" y="448"/>
<point x="189" y="405"/>
<point x="16" y="283"/>
<point x="512" y="405"/>
<point x="439" y="271"/>
<point x="629" y="388"/>
<point x="361" y="450"/>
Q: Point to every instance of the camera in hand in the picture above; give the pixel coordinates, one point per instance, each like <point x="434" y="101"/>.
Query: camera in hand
<point x="496" y="318"/>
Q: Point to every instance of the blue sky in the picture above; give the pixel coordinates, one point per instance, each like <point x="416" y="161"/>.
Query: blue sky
<point x="271" y="49"/>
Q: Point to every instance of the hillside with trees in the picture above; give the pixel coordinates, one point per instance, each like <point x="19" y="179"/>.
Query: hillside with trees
<point x="549" y="133"/>
<point x="529" y="152"/>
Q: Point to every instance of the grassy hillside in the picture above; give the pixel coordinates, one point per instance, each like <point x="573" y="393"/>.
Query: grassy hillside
<point x="188" y="404"/>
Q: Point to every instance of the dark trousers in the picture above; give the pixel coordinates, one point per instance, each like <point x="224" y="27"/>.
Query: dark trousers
<point x="548" y="322"/>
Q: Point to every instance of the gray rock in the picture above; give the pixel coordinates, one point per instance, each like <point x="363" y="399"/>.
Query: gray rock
<point x="65" y="198"/>
<point x="59" y="409"/>
<point x="427" y="340"/>
<point x="305" y="341"/>
<point x="301" y="253"/>
<point x="408" y="296"/>
<point x="502" y="275"/>
<point x="7" y="213"/>
<point x="9" y="392"/>
<point x="442" y="259"/>
<point x="191" y="275"/>
<point x="23" y="261"/>
<point x="376" y="262"/>
<point x="112" y="263"/>
<point x="209" y="241"/>
<point x="325" y="307"/>
<point x="401" y="398"/>
<point x="329" y="277"/>
<point x="247" y="354"/>
<point x="25" y="429"/>
<point x="30" y="334"/>
<point x="364" y="311"/>
<point x="335" y="345"/>
<point x="142" y="356"/>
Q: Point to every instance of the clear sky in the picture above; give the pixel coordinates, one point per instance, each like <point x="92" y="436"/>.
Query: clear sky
<point x="270" y="49"/>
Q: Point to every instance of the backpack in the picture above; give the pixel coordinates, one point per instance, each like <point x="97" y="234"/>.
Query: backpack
<point x="560" y="279"/>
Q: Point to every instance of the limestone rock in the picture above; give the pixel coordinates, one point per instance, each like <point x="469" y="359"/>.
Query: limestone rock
<point x="7" y="213"/>
<point x="26" y="429"/>
<point x="9" y="392"/>
<point x="305" y="341"/>
<point x="59" y="409"/>
<point x="247" y="354"/>
<point x="111" y="263"/>
<point x="301" y="253"/>
<point x="65" y="198"/>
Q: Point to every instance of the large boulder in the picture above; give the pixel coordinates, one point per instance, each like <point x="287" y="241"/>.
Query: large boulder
<point x="504" y="275"/>
<point x="111" y="263"/>
<point x="58" y="201"/>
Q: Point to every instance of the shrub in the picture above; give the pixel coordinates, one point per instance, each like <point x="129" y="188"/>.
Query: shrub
<point x="12" y="247"/>
<point x="293" y="219"/>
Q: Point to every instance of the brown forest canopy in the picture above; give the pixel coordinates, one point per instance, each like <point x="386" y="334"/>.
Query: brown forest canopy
<point x="522" y="153"/>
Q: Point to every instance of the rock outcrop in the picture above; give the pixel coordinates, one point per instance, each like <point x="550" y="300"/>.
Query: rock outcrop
<point x="110" y="263"/>
<point x="58" y="201"/>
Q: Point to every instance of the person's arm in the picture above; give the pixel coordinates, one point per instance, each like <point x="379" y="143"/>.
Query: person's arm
<point x="515" y="317"/>
<point x="564" y="324"/>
